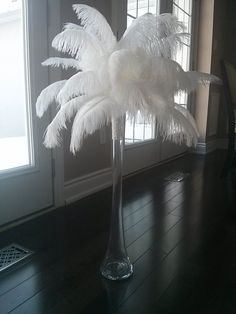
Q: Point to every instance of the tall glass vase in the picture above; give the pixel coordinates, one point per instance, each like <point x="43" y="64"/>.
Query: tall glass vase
<point x="116" y="264"/>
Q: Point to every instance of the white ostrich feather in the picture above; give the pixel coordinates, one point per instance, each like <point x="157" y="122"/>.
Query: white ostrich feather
<point x="65" y="63"/>
<point x="172" y="125"/>
<point x="71" y="26"/>
<point x="188" y="116"/>
<point x="76" y="42"/>
<point x="197" y="78"/>
<point x="158" y="36"/>
<point x="82" y="83"/>
<point x="134" y="76"/>
<point x="168" y="75"/>
<point x="95" y="23"/>
<point x="66" y="112"/>
<point x="48" y="96"/>
<point x="95" y="114"/>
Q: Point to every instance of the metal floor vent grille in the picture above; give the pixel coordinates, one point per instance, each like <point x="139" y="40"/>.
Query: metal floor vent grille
<point x="177" y="176"/>
<point x="12" y="254"/>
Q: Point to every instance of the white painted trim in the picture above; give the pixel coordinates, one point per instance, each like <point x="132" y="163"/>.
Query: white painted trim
<point x="200" y="149"/>
<point x="26" y="218"/>
<point x="85" y="185"/>
<point x="128" y="146"/>
<point x="205" y="148"/>
<point x="80" y="187"/>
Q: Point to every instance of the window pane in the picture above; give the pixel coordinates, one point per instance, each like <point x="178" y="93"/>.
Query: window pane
<point x="138" y="130"/>
<point x="132" y="7"/>
<point x="183" y="10"/>
<point x="14" y="139"/>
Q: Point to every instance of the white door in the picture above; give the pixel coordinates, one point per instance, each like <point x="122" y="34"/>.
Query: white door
<point x="185" y="11"/>
<point x="26" y="184"/>
<point x="143" y="147"/>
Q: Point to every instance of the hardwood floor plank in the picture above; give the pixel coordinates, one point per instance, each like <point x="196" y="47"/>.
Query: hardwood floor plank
<point x="181" y="238"/>
<point x="144" y="299"/>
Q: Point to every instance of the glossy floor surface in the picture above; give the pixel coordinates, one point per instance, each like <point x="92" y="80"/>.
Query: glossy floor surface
<point x="181" y="237"/>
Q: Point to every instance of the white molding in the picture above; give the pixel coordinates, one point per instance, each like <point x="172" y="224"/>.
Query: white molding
<point x="26" y="218"/>
<point x="200" y="149"/>
<point x="80" y="187"/>
<point x="205" y="148"/>
<point x="128" y="146"/>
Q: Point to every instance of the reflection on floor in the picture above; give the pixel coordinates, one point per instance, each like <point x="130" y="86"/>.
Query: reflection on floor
<point x="181" y="237"/>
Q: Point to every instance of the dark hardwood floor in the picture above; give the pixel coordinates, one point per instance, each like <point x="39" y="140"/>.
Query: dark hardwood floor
<point x="181" y="237"/>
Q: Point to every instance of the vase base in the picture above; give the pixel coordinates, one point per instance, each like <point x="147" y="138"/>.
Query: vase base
<point x="117" y="270"/>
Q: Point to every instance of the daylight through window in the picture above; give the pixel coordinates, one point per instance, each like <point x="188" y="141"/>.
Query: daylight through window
<point x="14" y="143"/>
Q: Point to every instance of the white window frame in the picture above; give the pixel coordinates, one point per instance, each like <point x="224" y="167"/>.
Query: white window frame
<point x="30" y="116"/>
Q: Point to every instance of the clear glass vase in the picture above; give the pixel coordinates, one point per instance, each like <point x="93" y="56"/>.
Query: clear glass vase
<point x="116" y="264"/>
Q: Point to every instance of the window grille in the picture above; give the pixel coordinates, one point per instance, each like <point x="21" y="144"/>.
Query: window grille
<point x="138" y="129"/>
<point x="183" y="10"/>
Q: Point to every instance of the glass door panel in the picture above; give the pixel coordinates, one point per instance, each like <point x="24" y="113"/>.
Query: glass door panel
<point x="15" y="117"/>
<point x="142" y="148"/>
<point x="26" y="182"/>
<point x="183" y="10"/>
<point x="138" y="129"/>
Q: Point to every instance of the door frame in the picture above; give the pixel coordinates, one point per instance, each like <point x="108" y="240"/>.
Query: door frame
<point x="52" y="18"/>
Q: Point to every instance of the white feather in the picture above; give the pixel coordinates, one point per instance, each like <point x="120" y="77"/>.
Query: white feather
<point x="197" y="78"/>
<point x="188" y="116"/>
<point x="95" y="23"/>
<point x="126" y="65"/>
<point x="66" y="112"/>
<point x="173" y="125"/>
<point x="77" y="42"/>
<point x="93" y="115"/>
<point x="47" y="96"/>
<point x="82" y="83"/>
<point x="71" y="26"/>
<point x="168" y="76"/>
<point x="135" y="76"/>
<point x="159" y="74"/>
<point x="65" y="63"/>
<point x="156" y="35"/>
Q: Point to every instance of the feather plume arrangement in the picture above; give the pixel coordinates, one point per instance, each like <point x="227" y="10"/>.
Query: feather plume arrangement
<point x="114" y="78"/>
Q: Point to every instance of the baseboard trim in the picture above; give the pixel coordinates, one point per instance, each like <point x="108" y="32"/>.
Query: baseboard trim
<point x="21" y="220"/>
<point x="96" y="181"/>
<point x="88" y="184"/>
<point x="206" y="148"/>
